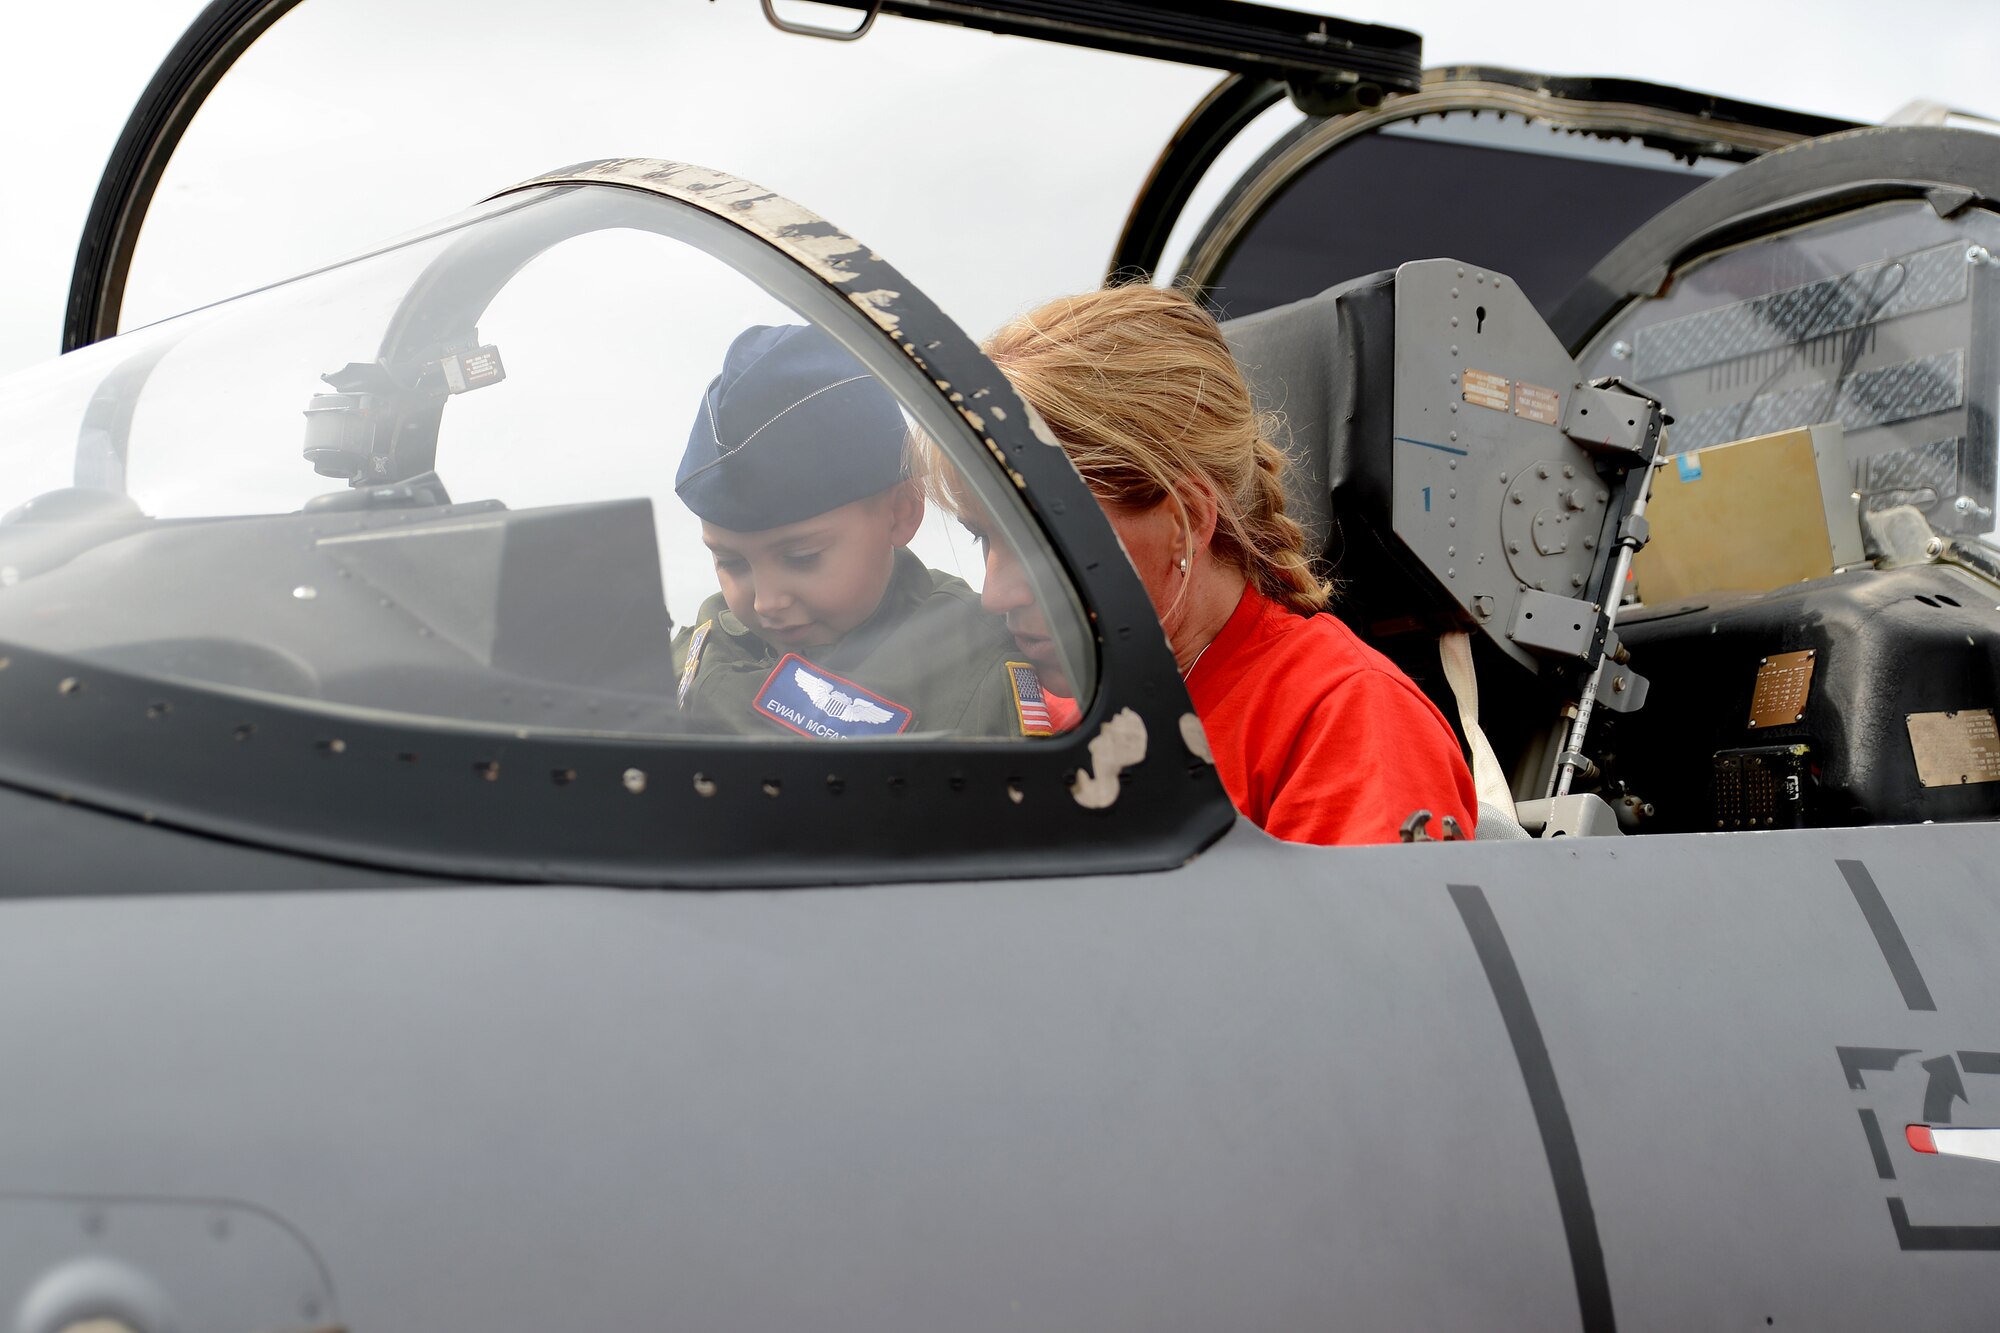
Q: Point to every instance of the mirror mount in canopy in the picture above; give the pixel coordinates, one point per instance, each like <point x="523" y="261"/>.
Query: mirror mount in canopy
<point x="1328" y="64"/>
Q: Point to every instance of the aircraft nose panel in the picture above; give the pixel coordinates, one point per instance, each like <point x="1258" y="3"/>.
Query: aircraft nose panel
<point x="155" y="1266"/>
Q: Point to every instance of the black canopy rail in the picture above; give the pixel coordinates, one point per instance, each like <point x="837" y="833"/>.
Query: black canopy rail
<point x="1329" y="64"/>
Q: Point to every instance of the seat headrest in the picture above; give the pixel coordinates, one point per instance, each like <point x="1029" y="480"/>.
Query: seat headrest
<point x="1326" y="367"/>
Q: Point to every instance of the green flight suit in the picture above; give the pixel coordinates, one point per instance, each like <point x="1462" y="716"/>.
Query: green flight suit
<point x="928" y="648"/>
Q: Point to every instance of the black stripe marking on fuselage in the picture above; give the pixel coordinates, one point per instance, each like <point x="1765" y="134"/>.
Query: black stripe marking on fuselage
<point x="1579" y="1219"/>
<point x="1888" y="936"/>
<point x="1913" y="1237"/>
<point x="1872" y="1127"/>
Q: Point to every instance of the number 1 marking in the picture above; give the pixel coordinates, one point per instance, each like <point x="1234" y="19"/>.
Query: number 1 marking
<point x="1427" y="499"/>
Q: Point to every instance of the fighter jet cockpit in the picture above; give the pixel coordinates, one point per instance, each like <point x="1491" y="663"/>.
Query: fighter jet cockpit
<point x="1733" y="568"/>
<point x="575" y="461"/>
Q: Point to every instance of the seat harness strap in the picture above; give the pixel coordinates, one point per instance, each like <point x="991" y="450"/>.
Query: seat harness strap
<point x="1455" y="652"/>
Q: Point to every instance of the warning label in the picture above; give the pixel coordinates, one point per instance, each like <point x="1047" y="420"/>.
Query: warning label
<point x="1535" y="403"/>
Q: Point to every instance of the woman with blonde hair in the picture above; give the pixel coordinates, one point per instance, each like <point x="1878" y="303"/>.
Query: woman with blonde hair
<point x="1318" y="737"/>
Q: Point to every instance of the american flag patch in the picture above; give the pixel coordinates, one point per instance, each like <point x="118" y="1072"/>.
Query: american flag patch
<point x="693" y="661"/>
<point x="1030" y="704"/>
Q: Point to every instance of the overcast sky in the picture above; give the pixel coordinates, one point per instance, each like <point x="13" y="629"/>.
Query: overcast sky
<point x="994" y="172"/>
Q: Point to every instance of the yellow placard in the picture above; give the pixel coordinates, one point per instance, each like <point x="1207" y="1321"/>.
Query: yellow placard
<point x="1742" y="517"/>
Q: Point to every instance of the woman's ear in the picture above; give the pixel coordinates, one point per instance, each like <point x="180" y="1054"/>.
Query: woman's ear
<point x="1202" y="513"/>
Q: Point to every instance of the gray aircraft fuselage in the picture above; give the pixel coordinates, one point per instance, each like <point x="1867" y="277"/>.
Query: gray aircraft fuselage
<point x="1475" y="1086"/>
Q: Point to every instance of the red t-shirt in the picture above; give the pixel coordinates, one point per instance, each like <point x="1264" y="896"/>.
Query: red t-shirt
<point x="1318" y="737"/>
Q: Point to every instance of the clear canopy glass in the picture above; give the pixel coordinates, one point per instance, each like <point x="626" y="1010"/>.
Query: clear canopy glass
<point x="1886" y="320"/>
<point x="995" y="171"/>
<point x="583" y="458"/>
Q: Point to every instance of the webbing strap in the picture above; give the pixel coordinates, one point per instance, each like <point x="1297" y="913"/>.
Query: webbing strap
<point x="1455" y="651"/>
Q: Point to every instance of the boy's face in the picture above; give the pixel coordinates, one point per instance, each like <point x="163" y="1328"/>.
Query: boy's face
<point x="807" y="584"/>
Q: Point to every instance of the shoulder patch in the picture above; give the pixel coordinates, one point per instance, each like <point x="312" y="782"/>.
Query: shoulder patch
<point x="1031" y="706"/>
<point x="814" y="702"/>
<point x="699" y="637"/>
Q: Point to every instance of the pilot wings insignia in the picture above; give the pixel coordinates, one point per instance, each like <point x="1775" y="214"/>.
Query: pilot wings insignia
<point x="838" y="704"/>
<point x="812" y="701"/>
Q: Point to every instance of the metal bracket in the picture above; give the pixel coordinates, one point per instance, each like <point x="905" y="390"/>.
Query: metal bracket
<point x="1561" y="626"/>
<point x="1621" y="689"/>
<point x="1950" y="200"/>
<point x="1605" y="416"/>
<point x="1578" y="761"/>
<point x="1584" y="815"/>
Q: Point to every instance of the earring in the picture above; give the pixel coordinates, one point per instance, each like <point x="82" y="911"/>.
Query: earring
<point x="1183" y="566"/>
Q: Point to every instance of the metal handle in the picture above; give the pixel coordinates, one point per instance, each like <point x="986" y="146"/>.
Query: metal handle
<point x="814" y="30"/>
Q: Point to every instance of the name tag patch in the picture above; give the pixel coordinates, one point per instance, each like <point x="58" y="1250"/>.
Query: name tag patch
<point x="801" y="697"/>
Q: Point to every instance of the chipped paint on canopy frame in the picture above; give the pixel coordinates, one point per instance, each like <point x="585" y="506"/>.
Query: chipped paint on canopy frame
<point x="798" y="231"/>
<point x="824" y="250"/>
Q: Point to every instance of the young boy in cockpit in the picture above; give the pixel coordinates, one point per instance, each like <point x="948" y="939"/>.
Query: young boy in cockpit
<point x="827" y="625"/>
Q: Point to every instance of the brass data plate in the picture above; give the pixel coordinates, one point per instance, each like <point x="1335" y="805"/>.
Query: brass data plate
<point x="1954" y="749"/>
<point x="1485" y="389"/>
<point x="1783" y="682"/>
<point x="1534" y="403"/>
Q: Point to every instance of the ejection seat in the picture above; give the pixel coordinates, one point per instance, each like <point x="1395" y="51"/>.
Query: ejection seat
<point x="1472" y="497"/>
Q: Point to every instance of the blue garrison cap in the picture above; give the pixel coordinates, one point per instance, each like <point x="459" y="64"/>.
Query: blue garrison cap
<point x="792" y="427"/>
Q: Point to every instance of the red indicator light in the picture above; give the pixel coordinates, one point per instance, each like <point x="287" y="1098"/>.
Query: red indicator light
<point x="1920" y="1138"/>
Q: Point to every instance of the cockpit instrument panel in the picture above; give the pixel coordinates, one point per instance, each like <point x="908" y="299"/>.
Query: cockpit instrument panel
<point x="1886" y="321"/>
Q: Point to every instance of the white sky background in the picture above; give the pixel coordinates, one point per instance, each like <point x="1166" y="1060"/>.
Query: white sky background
<point x="994" y="172"/>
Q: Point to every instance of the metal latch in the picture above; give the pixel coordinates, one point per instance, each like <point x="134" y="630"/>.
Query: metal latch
<point x="1417" y="828"/>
